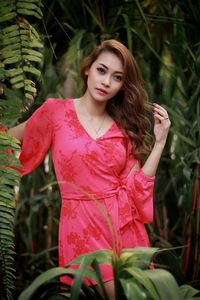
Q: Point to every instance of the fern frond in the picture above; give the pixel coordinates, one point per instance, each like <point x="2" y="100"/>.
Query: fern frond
<point x="8" y="10"/>
<point x="23" y="54"/>
<point x="9" y="177"/>
<point x="20" y="59"/>
<point x="10" y="106"/>
<point x="13" y="72"/>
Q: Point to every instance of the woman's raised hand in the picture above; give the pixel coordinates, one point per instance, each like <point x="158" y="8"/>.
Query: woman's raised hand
<point x="161" y="124"/>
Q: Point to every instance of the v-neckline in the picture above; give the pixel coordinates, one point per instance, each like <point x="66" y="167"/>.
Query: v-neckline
<point x="85" y="130"/>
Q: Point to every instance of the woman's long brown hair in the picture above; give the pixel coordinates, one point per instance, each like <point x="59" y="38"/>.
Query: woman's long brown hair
<point x="128" y="108"/>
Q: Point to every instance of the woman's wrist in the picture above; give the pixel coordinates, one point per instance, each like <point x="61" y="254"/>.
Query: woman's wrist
<point x="159" y="145"/>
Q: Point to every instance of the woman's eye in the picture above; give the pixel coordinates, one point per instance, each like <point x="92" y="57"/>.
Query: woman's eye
<point x="101" y="70"/>
<point x="118" y="78"/>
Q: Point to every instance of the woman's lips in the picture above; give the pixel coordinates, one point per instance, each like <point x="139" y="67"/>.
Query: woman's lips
<point x="102" y="92"/>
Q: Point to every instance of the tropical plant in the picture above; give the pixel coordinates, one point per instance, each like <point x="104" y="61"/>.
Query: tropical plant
<point x="164" y="37"/>
<point x="133" y="279"/>
<point x="20" y="59"/>
<point x="9" y="178"/>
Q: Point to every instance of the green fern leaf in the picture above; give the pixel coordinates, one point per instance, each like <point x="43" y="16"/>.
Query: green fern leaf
<point x="17" y="79"/>
<point x="7" y="208"/>
<point x="5" y="9"/>
<point x="2" y="74"/>
<point x="10" y="41"/>
<point x="29" y="96"/>
<point x="30" y="29"/>
<point x="32" y="58"/>
<point x="11" y="33"/>
<point x="10" y="28"/>
<point x="18" y="85"/>
<point x="29" y="88"/>
<point x="8" y="17"/>
<point x="12" y="60"/>
<point x="29" y="6"/>
<point x="11" y="47"/>
<point x="13" y="72"/>
<point x="32" y="52"/>
<point x="27" y="12"/>
<point x="8" y="54"/>
<point x="19" y="44"/>
<point x="32" y="44"/>
<point x="32" y="70"/>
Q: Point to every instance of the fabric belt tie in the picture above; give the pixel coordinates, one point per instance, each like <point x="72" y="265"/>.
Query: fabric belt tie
<point x="126" y="209"/>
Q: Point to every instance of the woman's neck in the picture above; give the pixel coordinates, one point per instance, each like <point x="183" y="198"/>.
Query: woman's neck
<point x="92" y="107"/>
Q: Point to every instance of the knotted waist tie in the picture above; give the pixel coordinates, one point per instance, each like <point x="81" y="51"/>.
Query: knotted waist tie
<point x="126" y="209"/>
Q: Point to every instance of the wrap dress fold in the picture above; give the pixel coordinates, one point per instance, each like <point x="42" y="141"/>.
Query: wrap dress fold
<point x="95" y="182"/>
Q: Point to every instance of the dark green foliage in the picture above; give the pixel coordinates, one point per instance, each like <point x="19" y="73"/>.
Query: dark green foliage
<point x="9" y="178"/>
<point x="133" y="279"/>
<point x="20" y="49"/>
<point x="20" y="58"/>
<point x="164" y="38"/>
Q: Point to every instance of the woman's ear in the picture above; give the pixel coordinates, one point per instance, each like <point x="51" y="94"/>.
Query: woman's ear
<point x="86" y="71"/>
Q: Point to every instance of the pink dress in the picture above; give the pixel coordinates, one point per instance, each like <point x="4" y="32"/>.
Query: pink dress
<point x="102" y="204"/>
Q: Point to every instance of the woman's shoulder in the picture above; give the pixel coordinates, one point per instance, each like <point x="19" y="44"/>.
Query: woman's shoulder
<point x="54" y="102"/>
<point x="56" y="105"/>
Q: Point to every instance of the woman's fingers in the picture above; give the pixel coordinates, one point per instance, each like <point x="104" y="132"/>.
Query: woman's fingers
<point x="160" y="112"/>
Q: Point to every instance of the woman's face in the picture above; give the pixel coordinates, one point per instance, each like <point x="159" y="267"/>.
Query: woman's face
<point x="105" y="77"/>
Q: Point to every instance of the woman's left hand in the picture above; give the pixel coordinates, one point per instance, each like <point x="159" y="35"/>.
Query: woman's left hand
<point x="161" y="124"/>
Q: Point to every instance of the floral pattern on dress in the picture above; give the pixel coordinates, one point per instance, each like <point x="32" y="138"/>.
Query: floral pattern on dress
<point x="94" y="183"/>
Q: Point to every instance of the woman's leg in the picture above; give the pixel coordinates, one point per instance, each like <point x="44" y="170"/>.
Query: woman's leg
<point x="109" y="286"/>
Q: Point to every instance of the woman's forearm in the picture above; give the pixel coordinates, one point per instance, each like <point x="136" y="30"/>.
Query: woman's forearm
<point x="161" y="129"/>
<point x="150" y="166"/>
<point x="17" y="131"/>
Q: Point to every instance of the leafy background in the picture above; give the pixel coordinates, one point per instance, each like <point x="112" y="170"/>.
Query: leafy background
<point x="164" y="38"/>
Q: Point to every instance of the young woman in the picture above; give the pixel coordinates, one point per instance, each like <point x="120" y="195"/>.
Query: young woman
<point x="102" y="159"/>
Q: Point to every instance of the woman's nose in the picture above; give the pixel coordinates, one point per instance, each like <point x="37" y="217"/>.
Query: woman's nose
<point x="106" y="80"/>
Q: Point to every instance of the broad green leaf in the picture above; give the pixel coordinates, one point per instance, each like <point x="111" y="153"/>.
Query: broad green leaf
<point x="141" y="277"/>
<point x="164" y="283"/>
<point x="102" y="256"/>
<point x="188" y="291"/>
<point x="83" y="270"/>
<point x="133" y="291"/>
<point x="141" y="256"/>
<point x="42" y="279"/>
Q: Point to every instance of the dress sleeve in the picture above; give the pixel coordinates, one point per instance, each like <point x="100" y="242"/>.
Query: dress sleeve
<point x="139" y="188"/>
<point x="37" y="138"/>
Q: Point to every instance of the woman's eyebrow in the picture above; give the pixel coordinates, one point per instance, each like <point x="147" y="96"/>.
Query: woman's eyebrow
<point x="108" y="68"/>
